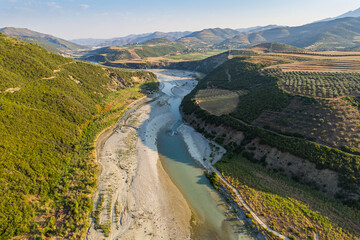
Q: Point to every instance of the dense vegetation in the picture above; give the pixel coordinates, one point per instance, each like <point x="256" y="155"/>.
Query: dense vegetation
<point x="51" y="109"/>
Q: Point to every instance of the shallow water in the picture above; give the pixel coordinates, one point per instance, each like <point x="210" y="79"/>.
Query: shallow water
<point x="207" y="205"/>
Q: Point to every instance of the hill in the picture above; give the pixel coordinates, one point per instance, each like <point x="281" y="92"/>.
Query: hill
<point x="157" y="47"/>
<point x="51" y="110"/>
<point x="155" y="41"/>
<point x="208" y="64"/>
<point x="275" y="48"/>
<point x="287" y="133"/>
<point x="207" y="37"/>
<point x="339" y="34"/>
<point x="49" y="42"/>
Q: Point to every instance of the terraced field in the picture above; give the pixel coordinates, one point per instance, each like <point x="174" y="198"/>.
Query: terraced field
<point x="218" y="101"/>
<point x="338" y="64"/>
<point x="318" y="84"/>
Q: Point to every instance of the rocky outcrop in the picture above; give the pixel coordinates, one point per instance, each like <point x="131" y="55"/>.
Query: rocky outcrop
<point x="298" y="169"/>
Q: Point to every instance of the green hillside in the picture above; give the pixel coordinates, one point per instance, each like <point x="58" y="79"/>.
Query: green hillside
<point x="153" y="48"/>
<point x="157" y="41"/>
<point x="51" y="109"/>
<point x="276" y="48"/>
<point x="208" y="37"/>
<point x="51" y="43"/>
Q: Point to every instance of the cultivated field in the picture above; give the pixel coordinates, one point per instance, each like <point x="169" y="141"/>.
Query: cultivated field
<point x="326" y="65"/>
<point x="333" y="122"/>
<point x="218" y="101"/>
<point x="319" y="84"/>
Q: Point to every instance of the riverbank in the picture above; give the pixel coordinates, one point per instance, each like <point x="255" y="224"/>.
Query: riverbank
<point x="135" y="198"/>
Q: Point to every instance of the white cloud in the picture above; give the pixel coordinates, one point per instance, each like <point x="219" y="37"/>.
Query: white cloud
<point x="84" y="6"/>
<point x="54" y="5"/>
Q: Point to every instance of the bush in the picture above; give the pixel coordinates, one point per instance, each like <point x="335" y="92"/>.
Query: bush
<point x="214" y="179"/>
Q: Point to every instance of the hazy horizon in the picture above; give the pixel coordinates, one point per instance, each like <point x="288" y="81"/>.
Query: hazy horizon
<point x="72" y="19"/>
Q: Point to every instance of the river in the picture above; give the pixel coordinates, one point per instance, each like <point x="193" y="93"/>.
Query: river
<point x="211" y="218"/>
<point x="142" y="199"/>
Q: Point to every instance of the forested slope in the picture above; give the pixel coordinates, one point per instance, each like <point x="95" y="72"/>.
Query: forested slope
<point x="266" y="164"/>
<point x="51" y="109"/>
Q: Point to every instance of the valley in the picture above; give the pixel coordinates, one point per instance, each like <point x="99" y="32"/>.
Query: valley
<point x="140" y="198"/>
<point x="204" y="133"/>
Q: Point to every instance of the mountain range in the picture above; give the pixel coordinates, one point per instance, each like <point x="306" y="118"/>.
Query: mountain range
<point x="134" y="38"/>
<point x="341" y="33"/>
<point x="256" y="28"/>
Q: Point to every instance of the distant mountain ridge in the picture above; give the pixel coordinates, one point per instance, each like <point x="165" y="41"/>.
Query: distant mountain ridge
<point x="208" y="37"/>
<point x="49" y="42"/>
<point x="198" y="38"/>
<point x="342" y="33"/>
<point x="134" y="38"/>
<point x="257" y="28"/>
<point x="354" y="13"/>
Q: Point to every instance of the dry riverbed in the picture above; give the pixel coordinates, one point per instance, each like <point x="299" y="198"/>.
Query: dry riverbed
<point x="135" y="198"/>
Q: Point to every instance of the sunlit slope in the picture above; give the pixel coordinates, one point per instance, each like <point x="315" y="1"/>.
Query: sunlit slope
<point x="50" y="109"/>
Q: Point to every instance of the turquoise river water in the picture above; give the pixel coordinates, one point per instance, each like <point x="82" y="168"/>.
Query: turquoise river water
<point x="208" y="207"/>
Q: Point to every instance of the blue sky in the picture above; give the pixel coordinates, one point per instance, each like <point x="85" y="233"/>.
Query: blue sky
<point x="71" y="19"/>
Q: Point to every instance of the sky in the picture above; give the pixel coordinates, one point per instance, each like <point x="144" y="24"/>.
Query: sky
<point x="71" y="19"/>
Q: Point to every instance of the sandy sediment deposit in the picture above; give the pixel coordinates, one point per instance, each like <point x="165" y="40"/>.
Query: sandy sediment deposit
<point x="135" y="198"/>
<point x="206" y="152"/>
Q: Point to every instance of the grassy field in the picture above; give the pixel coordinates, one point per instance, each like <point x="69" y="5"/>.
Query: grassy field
<point x="218" y="101"/>
<point x="288" y="207"/>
